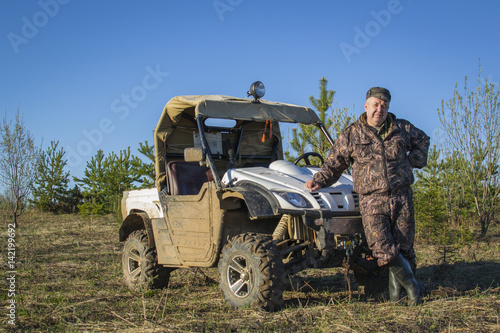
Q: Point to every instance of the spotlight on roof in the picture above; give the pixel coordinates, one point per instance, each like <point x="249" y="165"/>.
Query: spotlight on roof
<point x="257" y="90"/>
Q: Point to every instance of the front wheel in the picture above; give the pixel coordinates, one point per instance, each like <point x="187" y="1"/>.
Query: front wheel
<point x="140" y="267"/>
<point x="251" y="272"/>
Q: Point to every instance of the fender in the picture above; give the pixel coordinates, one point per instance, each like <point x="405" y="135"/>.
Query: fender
<point x="260" y="201"/>
<point x="137" y="221"/>
<point x="141" y="200"/>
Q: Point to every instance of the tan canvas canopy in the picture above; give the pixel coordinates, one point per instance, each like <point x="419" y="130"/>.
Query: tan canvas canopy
<point x="227" y="107"/>
<point x="222" y="107"/>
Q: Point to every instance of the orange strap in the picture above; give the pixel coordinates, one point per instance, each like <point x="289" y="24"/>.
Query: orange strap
<point x="270" y="124"/>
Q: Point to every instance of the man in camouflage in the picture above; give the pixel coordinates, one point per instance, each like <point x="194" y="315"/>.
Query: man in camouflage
<point x="383" y="151"/>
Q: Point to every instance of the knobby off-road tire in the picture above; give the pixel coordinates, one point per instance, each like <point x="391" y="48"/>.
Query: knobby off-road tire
<point x="251" y="272"/>
<point x="140" y="268"/>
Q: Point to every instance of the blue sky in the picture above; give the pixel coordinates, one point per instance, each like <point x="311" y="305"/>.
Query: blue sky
<point x="96" y="74"/>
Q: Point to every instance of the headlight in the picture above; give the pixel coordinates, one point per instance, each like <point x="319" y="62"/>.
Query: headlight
<point x="294" y="199"/>
<point x="257" y="90"/>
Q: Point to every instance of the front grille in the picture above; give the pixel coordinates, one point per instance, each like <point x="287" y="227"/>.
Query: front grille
<point x="319" y="200"/>
<point x="355" y="196"/>
<point x="338" y="197"/>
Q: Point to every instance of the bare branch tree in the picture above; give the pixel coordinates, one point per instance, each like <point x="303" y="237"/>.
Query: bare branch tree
<point x="472" y="129"/>
<point x="18" y="163"/>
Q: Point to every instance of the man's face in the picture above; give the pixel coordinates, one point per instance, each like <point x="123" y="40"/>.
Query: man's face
<point x="376" y="111"/>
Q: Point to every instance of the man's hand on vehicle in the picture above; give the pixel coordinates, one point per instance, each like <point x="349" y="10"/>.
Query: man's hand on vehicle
<point x="312" y="185"/>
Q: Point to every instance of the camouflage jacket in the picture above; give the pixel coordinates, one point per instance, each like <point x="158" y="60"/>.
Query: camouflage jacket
<point x="378" y="165"/>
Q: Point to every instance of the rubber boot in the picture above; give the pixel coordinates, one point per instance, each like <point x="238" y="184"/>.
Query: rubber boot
<point x="401" y="270"/>
<point x="394" y="288"/>
<point x="413" y="265"/>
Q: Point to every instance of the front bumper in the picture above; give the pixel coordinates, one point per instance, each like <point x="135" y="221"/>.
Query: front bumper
<point x="341" y="222"/>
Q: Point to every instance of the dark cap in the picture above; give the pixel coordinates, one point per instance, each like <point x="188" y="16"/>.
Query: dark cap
<point x="380" y="93"/>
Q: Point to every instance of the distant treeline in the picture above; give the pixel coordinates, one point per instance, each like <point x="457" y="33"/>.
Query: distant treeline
<point x="456" y="194"/>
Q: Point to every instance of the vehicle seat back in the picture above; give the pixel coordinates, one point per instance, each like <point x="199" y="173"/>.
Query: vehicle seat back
<point x="187" y="178"/>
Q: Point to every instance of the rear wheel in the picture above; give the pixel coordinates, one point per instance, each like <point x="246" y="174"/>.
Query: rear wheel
<point x="140" y="268"/>
<point x="251" y="272"/>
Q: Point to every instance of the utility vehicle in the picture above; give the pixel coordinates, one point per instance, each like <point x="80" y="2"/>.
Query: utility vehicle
<point x="226" y="198"/>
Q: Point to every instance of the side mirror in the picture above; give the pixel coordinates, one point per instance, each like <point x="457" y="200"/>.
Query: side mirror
<point x="193" y="154"/>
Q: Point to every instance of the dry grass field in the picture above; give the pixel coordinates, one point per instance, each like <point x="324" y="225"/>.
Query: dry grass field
<point x="69" y="280"/>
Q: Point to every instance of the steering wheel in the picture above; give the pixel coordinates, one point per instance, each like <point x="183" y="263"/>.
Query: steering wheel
<point x="305" y="157"/>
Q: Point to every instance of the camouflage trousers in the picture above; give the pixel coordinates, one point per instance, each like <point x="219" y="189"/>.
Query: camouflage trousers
<point x="389" y="224"/>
